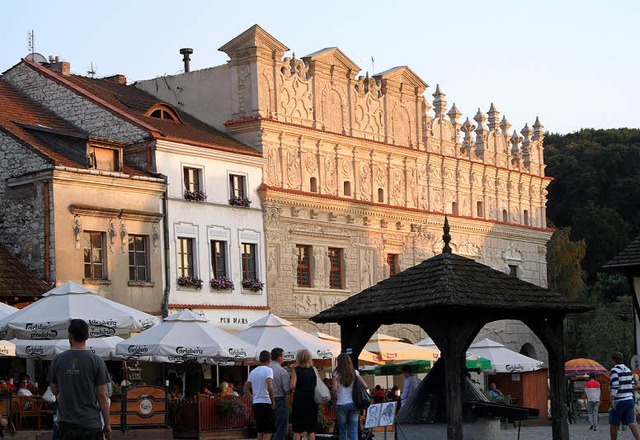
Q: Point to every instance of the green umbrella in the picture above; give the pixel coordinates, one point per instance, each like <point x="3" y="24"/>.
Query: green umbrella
<point x="478" y="363"/>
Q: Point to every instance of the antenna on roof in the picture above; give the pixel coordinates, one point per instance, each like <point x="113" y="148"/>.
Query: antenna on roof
<point x="91" y="72"/>
<point x="32" y="43"/>
<point x="373" y="66"/>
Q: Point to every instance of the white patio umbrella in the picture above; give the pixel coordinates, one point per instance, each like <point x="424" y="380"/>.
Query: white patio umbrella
<point x="47" y="349"/>
<point x="185" y="336"/>
<point x="48" y="318"/>
<point x="272" y="331"/>
<point x="393" y="349"/>
<point x="7" y="348"/>
<point x="6" y="310"/>
<point x="428" y="343"/>
<point x="502" y="359"/>
<point x="365" y="356"/>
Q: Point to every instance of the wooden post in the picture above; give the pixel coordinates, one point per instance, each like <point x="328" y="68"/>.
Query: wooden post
<point x="354" y="336"/>
<point x="551" y="333"/>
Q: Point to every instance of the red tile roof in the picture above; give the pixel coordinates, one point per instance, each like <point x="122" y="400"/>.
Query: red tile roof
<point x="17" y="281"/>
<point x="19" y="112"/>
<point x="132" y="103"/>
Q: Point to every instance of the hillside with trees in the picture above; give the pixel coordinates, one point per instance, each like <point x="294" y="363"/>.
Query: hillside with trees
<point x="594" y="204"/>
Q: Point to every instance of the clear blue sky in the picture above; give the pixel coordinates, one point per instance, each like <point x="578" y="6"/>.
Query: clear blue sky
<point x="573" y="63"/>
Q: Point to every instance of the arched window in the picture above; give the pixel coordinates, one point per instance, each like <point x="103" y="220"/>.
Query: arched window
<point x="313" y="184"/>
<point x="526" y="217"/>
<point x="480" y="209"/>
<point x="164" y="112"/>
<point x="505" y="216"/>
<point x="454" y="208"/>
<point x="347" y="188"/>
<point x="380" y="195"/>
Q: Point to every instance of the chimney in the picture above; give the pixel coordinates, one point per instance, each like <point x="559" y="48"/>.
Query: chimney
<point x="185" y="58"/>
<point x="118" y="79"/>
<point x="62" y="67"/>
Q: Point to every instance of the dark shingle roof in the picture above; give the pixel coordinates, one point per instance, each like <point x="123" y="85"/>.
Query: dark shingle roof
<point x="449" y="281"/>
<point x="135" y="102"/>
<point x="17" y="280"/>
<point x="628" y="258"/>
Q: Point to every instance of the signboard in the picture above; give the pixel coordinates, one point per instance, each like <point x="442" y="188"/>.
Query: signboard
<point x="380" y="414"/>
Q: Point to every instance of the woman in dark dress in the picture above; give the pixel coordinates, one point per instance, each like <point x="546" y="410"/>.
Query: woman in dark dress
<point x="304" y="414"/>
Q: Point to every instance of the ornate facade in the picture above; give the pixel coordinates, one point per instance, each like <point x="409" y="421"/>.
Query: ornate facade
<point x="360" y="171"/>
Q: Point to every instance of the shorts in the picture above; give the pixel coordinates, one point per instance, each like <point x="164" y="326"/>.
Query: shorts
<point x="622" y="413"/>
<point x="73" y="431"/>
<point x="263" y="415"/>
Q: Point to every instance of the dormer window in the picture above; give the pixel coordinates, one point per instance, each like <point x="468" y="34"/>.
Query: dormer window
<point x="163" y="112"/>
<point x="103" y="158"/>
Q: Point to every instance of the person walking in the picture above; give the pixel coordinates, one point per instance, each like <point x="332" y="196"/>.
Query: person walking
<point x="410" y="384"/>
<point x="79" y="378"/>
<point x="621" y="401"/>
<point x="347" y="414"/>
<point x="281" y="387"/>
<point x="304" y="414"/>
<point x="259" y="388"/>
<point x="592" y="393"/>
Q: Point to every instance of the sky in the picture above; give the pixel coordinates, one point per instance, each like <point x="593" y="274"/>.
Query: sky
<point x="575" y="64"/>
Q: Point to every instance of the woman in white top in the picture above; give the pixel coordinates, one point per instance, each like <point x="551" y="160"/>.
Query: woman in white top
<point x="347" y="414"/>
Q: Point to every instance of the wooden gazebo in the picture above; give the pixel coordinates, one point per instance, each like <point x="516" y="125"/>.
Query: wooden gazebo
<point x="452" y="298"/>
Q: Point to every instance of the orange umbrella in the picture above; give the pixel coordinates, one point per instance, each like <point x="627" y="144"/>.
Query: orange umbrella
<point x="580" y="366"/>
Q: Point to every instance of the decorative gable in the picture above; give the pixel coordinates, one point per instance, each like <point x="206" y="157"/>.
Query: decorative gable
<point x="332" y="56"/>
<point x="401" y="76"/>
<point x="252" y="39"/>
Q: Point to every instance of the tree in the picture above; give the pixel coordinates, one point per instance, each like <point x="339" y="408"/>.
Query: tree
<point x="564" y="271"/>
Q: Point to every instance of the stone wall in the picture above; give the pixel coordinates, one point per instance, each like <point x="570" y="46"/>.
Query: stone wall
<point x="21" y="208"/>
<point x="71" y="106"/>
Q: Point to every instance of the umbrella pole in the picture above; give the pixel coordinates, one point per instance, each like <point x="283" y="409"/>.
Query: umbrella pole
<point x="217" y="375"/>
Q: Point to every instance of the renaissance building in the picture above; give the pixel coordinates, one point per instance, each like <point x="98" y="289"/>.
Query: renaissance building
<point x="360" y="171"/>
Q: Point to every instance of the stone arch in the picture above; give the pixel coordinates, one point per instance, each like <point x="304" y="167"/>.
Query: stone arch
<point x="529" y="350"/>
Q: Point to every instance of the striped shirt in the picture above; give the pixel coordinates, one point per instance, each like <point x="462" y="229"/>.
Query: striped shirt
<point x="621" y="380"/>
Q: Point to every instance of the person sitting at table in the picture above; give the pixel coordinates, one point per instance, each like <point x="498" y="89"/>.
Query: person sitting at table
<point x="494" y="392"/>
<point x="378" y="394"/>
<point x="225" y="389"/>
<point x="24" y="390"/>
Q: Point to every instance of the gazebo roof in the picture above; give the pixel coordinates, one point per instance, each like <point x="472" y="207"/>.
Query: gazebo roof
<point x="449" y="282"/>
<point x="629" y="258"/>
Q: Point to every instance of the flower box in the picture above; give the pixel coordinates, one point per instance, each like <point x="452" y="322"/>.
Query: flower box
<point x="253" y="285"/>
<point x="195" y="283"/>
<point x="240" y="201"/>
<point x="221" y="283"/>
<point x="197" y="196"/>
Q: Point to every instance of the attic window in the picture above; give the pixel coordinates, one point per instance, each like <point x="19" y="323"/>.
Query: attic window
<point x="163" y="112"/>
<point x="105" y="159"/>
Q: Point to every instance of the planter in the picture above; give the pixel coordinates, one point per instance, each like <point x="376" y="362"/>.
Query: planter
<point x="243" y="202"/>
<point x="190" y="282"/>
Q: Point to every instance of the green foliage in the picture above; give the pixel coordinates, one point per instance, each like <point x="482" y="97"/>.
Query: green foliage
<point x="563" y="264"/>
<point x="595" y="189"/>
<point x="608" y="288"/>
<point x="596" y="334"/>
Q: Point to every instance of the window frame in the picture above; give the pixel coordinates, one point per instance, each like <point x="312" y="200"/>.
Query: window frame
<point x="301" y="267"/>
<point x="335" y="269"/>
<point x="117" y="162"/>
<point x="103" y="255"/>
<point x="244" y="270"/>
<point x="199" y="178"/>
<point x="215" y="271"/>
<point x="180" y="253"/>
<point x="392" y="258"/>
<point x="241" y="189"/>
<point x="147" y="268"/>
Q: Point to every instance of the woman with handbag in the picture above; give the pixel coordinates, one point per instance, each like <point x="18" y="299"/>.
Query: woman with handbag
<point x="304" y="413"/>
<point x="347" y="413"/>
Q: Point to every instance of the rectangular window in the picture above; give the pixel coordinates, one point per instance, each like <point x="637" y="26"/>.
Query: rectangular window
<point x="335" y="274"/>
<point x="219" y="258"/>
<point x="249" y="261"/>
<point x="138" y="258"/>
<point x="304" y="269"/>
<point x="94" y="255"/>
<point x="237" y="185"/>
<point x="185" y="257"/>
<point x="392" y="261"/>
<point x="104" y="159"/>
<point x="192" y="179"/>
<point x="513" y="270"/>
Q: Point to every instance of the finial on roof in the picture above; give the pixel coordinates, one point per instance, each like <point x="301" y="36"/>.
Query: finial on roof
<point x="446" y="237"/>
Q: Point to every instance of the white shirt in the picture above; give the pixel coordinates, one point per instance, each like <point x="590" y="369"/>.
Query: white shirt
<point x="345" y="394"/>
<point x="24" y="392"/>
<point x="258" y="380"/>
<point x="409" y="387"/>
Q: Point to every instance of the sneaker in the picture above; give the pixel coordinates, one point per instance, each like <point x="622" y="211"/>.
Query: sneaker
<point x="591" y="427"/>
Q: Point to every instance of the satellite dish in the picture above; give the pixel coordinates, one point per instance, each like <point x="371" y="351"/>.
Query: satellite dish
<point x="36" y="57"/>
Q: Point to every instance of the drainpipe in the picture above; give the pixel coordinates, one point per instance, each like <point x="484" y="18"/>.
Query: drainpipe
<point x="47" y="230"/>
<point x="167" y="264"/>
